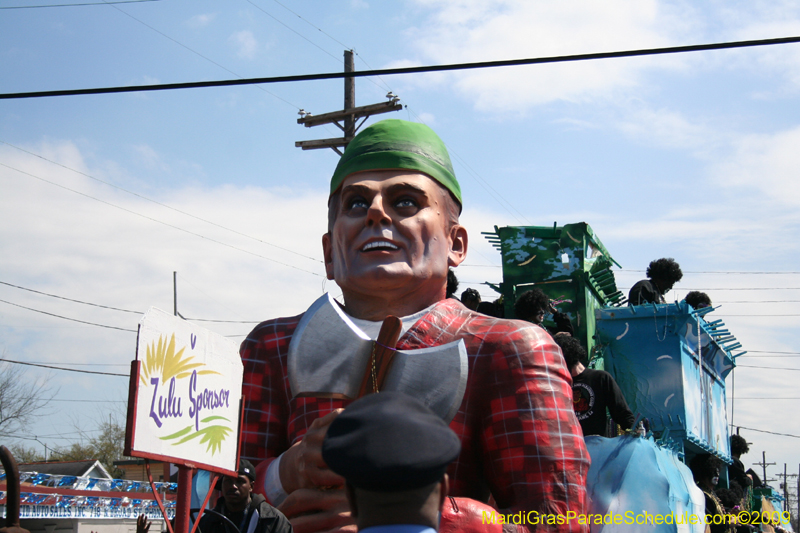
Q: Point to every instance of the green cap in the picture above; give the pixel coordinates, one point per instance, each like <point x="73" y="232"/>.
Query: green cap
<point x="396" y="144"/>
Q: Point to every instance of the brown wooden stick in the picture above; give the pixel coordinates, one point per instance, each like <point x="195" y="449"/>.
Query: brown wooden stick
<point x="382" y="356"/>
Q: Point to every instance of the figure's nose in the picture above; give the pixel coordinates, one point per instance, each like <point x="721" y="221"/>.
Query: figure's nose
<point x="376" y="214"/>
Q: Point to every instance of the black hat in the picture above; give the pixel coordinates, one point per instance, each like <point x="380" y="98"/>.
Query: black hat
<point x="388" y="442"/>
<point x="246" y="469"/>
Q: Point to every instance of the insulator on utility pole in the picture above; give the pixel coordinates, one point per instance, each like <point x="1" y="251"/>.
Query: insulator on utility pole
<point x="348" y="116"/>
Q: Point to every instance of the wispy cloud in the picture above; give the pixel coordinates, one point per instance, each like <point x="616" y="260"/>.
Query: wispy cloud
<point x="508" y="29"/>
<point x="201" y="21"/>
<point x="766" y="163"/>
<point x="245" y="43"/>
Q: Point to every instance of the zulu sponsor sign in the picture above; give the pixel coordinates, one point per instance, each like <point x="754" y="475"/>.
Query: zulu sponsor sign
<point x="188" y="387"/>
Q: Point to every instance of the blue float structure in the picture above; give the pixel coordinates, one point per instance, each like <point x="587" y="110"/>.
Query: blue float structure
<point x="671" y="365"/>
<point x="670" y="361"/>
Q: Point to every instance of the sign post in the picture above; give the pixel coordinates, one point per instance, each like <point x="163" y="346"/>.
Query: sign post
<point x="184" y="402"/>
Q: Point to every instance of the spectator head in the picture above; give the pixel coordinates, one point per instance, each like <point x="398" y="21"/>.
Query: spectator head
<point x="532" y="306"/>
<point x="393" y="453"/>
<point x="471" y="299"/>
<point x="452" y="283"/>
<point x="665" y="273"/>
<point x="490" y="309"/>
<point x="705" y="469"/>
<point x="572" y="350"/>
<point x="736" y="489"/>
<point x="728" y="498"/>
<point x="698" y="300"/>
<point x="236" y="490"/>
<point x="738" y="446"/>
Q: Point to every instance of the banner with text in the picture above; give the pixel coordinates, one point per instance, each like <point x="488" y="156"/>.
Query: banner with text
<point x="187" y="395"/>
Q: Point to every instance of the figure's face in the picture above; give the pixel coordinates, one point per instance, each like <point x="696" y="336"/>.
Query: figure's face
<point x="236" y="490"/>
<point x="392" y="234"/>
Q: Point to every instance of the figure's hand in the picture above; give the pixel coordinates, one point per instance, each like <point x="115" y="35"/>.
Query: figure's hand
<point x="317" y="510"/>
<point x="142" y="524"/>
<point x="302" y="467"/>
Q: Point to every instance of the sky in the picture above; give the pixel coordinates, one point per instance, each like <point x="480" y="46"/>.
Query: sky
<point x="103" y="197"/>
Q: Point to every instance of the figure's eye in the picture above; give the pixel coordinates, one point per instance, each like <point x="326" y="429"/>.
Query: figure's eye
<point x="356" y="202"/>
<point x="406" y="202"/>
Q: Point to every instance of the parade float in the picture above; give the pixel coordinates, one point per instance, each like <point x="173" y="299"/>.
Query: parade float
<point x="670" y="361"/>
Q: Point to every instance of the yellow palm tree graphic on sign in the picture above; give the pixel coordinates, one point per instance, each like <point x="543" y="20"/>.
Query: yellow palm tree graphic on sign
<point x="162" y="358"/>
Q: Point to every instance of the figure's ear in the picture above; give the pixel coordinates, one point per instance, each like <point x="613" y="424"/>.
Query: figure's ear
<point x="458" y="245"/>
<point x="327" y="252"/>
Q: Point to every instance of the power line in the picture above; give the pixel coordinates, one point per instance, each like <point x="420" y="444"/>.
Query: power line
<point x="721" y="271"/>
<point x="70" y="299"/>
<point x="225" y="321"/>
<point x="408" y="70"/>
<point x="770" y="432"/>
<point x="115" y="308"/>
<point x="162" y="204"/>
<point x="768" y="367"/>
<point x="159" y="221"/>
<point x="757" y="301"/>
<point x="483" y="183"/>
<point x="340" y="43"/>
<point x="83" y="364"/>
<point x="82" y="4"/>
<point x="764" y="351"/>
<point x="197" y="53"/>
<point x="314" y="44"/>
<point x="67" y="318"/>
<point x="65" y="369"/>
<point x="290" y="28"/>
<point x="766" y="356"/>
<point x="92" y="401"/>
<point x="734" y="289"/>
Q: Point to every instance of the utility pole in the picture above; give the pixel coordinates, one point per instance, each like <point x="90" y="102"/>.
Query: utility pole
<point x="348" y="116"/>
<point x="763" y="464"/>
<point x="175" y="293"/>
<point x="785" y="488"/>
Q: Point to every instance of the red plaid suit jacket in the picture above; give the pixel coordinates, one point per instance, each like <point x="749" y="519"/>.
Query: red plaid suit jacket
<point x="520" y="440"/>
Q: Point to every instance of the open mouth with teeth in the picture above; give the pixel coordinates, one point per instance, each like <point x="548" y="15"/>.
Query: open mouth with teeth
<point x="378" y="246"/>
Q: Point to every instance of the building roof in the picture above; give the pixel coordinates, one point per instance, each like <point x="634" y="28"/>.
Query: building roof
<point x="86" y="468"/>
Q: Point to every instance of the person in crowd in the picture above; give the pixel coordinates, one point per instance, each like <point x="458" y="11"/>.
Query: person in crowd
<point x="471" y="299"/>
<point x="731" y="500"/>
<point x="593" y="391"/>
<point x="736" y="471"/>
<point x="452" y="283"/>
<point x="243" y="508"/>
<point x="698" y="300"/>
<point x="705" y="469"/>
<point x="534" y="305"/>
<point x="494" y="309"/>
<point x="393" y="453"/>
<point x="393" y="232"/>
<point x="662" y="275"/>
